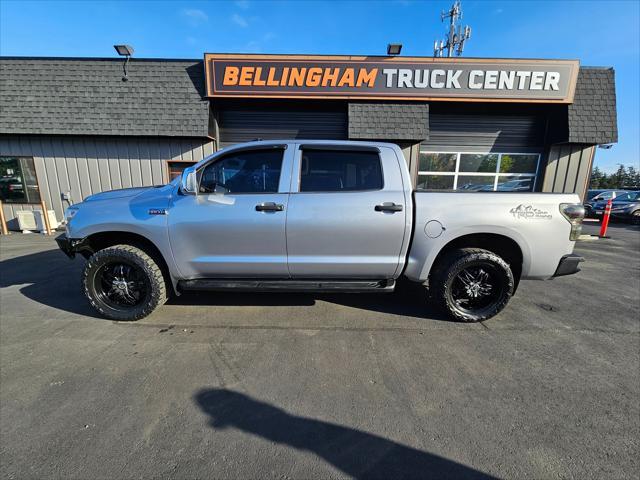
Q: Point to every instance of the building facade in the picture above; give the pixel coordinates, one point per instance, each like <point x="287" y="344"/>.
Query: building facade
<point x="72" y="127"/>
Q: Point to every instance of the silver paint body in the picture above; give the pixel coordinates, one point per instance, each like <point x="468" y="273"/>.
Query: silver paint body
<point x="330" y="235"/>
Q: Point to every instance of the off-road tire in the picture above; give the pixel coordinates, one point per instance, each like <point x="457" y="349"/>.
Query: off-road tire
<point x="157" y="286"/>
<point x="451" y="264"/>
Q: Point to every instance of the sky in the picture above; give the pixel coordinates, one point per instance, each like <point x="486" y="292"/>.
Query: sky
<point x="598" y="33"/>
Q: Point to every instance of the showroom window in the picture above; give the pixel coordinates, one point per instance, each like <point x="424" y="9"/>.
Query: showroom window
<point x="477" y="172"/>
<point x="18" y="183"/>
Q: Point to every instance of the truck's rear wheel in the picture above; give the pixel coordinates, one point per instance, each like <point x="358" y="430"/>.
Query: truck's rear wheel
<point x="472" y="284"/>
<point x="123" y="283"/>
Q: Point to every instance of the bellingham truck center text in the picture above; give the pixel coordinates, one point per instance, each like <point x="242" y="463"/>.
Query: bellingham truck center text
<point x="393" y="78"/>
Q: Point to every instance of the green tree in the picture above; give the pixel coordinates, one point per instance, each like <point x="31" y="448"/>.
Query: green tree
<point x="619" y="177"/>
<point x="633" y="177"/>
<point x="597" y="179"/>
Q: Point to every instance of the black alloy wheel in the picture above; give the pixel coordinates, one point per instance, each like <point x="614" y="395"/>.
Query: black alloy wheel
<point x="471" y="284"/>
<point x="476" y="287"/>
<point x="121" y="285"/>
<point x="124" y="283"/>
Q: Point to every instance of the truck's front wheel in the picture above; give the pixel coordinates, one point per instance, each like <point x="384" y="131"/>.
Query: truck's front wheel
<point x="472" y="284"/>
<point x="122" y="282"/>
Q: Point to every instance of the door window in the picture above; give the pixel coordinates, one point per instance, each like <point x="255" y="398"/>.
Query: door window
<point x="340" y="171"/>
<point x="251" y="171"/>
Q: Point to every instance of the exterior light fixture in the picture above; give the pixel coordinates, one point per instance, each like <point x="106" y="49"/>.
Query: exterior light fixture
<point x="124" y="51"/>
<point x="394" y="48"/>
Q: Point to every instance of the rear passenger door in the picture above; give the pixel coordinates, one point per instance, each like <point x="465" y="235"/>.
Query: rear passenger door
<point x="346" y="214"/>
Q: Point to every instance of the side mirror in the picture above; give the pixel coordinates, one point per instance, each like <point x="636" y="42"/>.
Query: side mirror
<point x="188" y="181"/>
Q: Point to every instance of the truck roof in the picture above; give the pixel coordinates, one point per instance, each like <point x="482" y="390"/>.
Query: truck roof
<point x="258" y="143"/>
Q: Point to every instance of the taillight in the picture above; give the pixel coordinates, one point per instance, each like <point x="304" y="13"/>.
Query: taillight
<point x="574" y="213"/>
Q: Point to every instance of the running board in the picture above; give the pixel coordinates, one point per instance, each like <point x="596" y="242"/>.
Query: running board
<point x="349" y="286"/>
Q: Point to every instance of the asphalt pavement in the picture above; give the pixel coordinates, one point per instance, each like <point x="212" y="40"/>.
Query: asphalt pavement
<point x="321" y="386"/>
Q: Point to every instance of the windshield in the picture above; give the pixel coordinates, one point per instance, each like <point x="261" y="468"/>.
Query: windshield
<point x="592" y="194"/>
<point x="603" y="196"/>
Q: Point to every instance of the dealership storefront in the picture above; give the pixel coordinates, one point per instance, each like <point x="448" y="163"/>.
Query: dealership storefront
<point x="73" y="127"/>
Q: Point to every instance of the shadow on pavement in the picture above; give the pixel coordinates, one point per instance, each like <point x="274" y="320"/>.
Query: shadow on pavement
<point x="50" y="278"/>
<point x="356" y="453"/>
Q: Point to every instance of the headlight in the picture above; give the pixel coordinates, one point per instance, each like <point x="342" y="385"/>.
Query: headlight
<point x="70" y="212"/>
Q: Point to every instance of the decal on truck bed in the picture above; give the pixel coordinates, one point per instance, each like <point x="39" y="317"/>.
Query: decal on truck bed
<point x="528" y="211"/>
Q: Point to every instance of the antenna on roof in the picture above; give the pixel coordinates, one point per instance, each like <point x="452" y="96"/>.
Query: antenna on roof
<point x="456" y="37"/>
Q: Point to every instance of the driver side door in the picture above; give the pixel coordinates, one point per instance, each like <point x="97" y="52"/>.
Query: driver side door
<point x="234" y="227"/>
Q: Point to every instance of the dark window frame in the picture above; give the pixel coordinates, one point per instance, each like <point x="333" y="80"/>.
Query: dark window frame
<point x="35" y="175"/>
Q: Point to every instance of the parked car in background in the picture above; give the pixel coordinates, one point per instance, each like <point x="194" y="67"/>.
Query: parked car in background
<point x="597" y="199"/>
<point x="598" y="195"/>
<point x="516" y="186"/>
<point x="625" y="206"/>
<point x="11" y="188"/>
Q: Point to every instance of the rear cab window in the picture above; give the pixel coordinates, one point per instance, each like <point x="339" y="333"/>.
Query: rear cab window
<point x="334" y="170"/>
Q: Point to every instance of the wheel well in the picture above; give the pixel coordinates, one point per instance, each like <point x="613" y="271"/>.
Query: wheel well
<point x="501" y="245"/>
<point x="102" y="240"/>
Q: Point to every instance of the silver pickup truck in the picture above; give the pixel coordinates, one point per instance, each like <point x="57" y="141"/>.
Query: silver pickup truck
<point x="328" y="216"/>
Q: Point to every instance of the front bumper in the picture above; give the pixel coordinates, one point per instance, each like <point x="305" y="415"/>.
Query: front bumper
<point x="71" y="246"/>
<point x="568" y="265"/>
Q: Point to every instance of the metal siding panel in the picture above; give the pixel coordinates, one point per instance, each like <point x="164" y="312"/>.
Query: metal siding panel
<point x="550" y="170"/>
<point x="124" y="164"/>
<point x="103" y="165"/>
<point x="238" y="126"/>
<point x="584" y="172"/>
<point x="484" y="133"/>
<point x="197" y="151"/>
<point x="177" y="148"/>
<point x="83" y="169"/>
<point x="159" y="151"/>
<point x="114" y="164"/>
<point x="13" y="149"/>
<point x="95" y="180"/>
<point x="145" y="163"/>
<point x="561" y="170"/>
<point x="71" y="164"/>
<point x="572" y="171"/>
<point x="134" y="161"/>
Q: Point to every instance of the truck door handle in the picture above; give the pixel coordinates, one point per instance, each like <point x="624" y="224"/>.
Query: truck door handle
<point x="269" y="207"/>
<point x="389" y="207"/>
